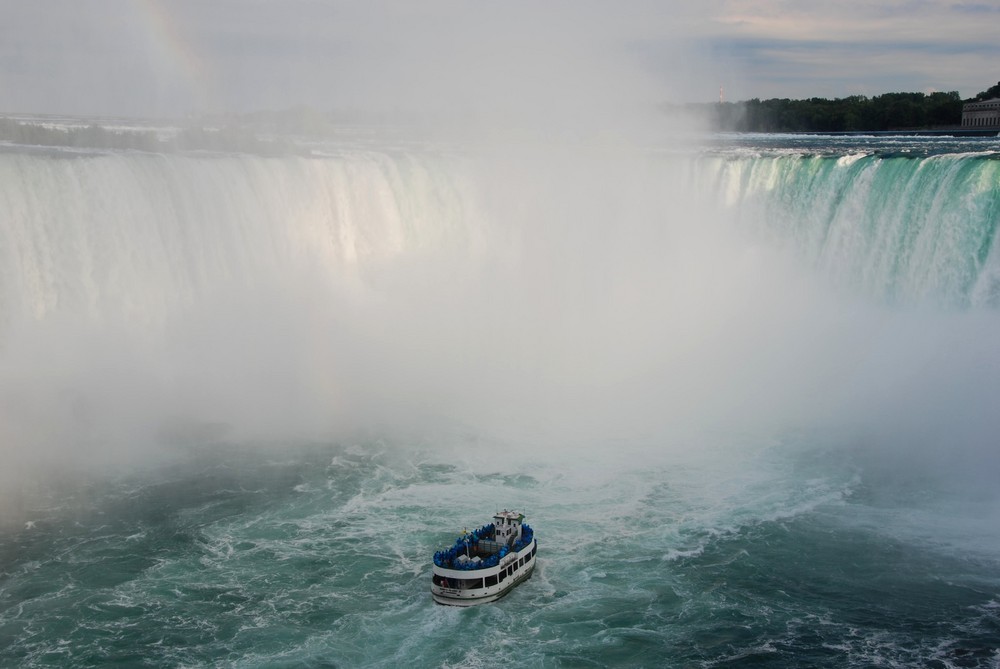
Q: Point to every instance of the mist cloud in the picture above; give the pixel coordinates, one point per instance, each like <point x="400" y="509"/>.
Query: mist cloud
<point x="515" y="61"/>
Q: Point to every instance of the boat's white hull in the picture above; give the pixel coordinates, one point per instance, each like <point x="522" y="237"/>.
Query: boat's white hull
<point x="520" y="566"/>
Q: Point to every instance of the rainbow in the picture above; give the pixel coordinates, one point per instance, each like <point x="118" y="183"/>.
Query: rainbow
<point x="176" y="59"/>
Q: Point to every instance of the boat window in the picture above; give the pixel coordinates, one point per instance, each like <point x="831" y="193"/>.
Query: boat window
<point x="503" y="575"/>
<point x="520" y="563"/>
<point x="491" y="580"/>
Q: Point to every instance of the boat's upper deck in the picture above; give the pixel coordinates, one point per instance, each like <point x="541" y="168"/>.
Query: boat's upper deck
<point x="486" y="546"/>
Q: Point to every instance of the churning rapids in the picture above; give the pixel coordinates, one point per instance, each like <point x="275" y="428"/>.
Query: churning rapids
<point x="746" y="394"/>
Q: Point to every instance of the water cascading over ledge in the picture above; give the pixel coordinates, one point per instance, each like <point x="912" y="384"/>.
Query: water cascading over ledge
<point x="138" y="234"/>
<point x="900" y="229"/>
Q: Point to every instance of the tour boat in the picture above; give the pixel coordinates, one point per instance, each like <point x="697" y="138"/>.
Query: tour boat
<point x="485" y="564"/>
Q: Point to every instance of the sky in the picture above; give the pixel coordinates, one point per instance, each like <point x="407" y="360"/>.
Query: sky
<point x="176" y="57"/>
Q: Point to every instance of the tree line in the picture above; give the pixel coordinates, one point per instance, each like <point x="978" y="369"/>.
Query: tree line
<point x="890" y="111"/>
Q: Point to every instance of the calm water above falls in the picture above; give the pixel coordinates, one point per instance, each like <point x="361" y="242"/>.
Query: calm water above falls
<point x="746" y="398"/>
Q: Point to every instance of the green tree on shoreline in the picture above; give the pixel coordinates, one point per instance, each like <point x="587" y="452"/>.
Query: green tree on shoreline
<point x="889" y="111"/>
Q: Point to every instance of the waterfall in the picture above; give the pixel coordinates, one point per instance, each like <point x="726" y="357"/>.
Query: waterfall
<point x="901" y="229"/>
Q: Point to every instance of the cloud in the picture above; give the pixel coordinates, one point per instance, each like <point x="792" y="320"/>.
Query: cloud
<point x="804" y="49"/>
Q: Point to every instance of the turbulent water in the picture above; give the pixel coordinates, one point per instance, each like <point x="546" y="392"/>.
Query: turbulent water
<point x="745" y="393"/>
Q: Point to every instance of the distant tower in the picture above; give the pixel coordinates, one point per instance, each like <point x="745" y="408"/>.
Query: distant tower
<point x="720" y="95"/>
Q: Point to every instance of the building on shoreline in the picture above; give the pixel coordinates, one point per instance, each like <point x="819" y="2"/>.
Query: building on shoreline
<point x="981" y="115"/>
